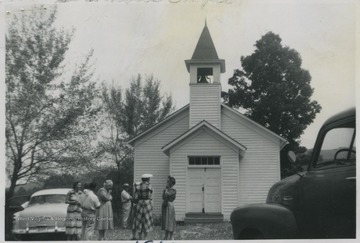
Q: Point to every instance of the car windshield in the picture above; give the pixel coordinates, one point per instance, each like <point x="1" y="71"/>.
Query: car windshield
<point x="338" y="147"/>
<point x="44" y="199"/>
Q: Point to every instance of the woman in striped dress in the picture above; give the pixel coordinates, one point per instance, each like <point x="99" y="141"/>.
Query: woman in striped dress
<point x="73" y="221"/>
<point x="104" y="215"/>
<point x="168" y="221"/>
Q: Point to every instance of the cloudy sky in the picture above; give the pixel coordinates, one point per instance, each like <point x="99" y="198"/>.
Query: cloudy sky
<point x="156" y="36"/>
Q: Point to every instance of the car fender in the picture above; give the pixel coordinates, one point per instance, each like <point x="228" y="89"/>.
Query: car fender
<point x="271" y="221"/>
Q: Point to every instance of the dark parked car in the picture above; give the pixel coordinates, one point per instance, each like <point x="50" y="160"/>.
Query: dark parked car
<point x="317" y="203"/>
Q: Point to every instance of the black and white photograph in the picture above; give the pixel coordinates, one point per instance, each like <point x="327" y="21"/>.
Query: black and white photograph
<point x="179" y="120"/>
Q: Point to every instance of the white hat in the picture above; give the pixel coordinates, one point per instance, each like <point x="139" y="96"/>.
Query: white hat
<point x="146" y="176"/>
<point x="126" y="184"/>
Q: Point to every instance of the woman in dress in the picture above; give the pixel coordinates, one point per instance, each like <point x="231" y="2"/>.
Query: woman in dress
<point x="168" y="222"/>
<point x="104" y="215"/>
<point x="143" y="220"/>
<point x="73" y="222"/>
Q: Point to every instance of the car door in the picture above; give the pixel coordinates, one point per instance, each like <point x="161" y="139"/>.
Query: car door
<point x="328" y="200"/>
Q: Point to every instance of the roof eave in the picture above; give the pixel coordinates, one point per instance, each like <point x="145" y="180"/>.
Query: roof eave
<point x="206" y="61"/>
<point x="282" y="140"/>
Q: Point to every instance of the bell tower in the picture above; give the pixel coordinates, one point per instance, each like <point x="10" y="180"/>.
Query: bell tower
<point x="205" y="68"/>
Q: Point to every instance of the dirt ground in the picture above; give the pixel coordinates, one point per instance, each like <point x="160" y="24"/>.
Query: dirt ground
<point x="208" y="231"/>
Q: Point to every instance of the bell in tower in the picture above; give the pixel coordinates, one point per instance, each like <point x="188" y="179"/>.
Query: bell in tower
<point x="205" y="68"/>
<point x="203" y="79"/>
<point x="205" y="75"/>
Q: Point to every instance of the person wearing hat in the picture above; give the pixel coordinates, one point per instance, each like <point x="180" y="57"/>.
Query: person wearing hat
<point x="143" y="220"/>
<point x="126" y="205"/>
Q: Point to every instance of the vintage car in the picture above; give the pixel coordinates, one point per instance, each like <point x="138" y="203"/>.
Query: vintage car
<point x="317" y="203"/>
<point x="44" y="213"/>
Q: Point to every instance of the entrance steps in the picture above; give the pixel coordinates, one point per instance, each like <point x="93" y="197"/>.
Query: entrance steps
<point x="203" y="218"/>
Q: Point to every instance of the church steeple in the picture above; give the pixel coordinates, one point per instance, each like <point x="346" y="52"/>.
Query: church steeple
<point x="205" y="68"/>
<point x="205" y="48"/>
<point x="205" y="51"/>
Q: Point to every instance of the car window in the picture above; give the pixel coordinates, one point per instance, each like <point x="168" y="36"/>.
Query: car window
<point x="338" y="147"/>
<point x="44" y="199"/>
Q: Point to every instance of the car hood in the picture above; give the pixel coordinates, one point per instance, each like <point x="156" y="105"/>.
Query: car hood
<point x="286" y="191"/>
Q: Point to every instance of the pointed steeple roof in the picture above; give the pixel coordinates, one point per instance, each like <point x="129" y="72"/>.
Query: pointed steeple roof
<point x="205" y="51"/>
<point x="205" y="48"/>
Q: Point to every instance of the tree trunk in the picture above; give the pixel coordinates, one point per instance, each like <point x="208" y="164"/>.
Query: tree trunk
<point x="13" y="181"/>
<point x="9" y="194"/>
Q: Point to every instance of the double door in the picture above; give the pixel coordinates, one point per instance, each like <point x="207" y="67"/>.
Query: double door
<point x="204" y="190"/>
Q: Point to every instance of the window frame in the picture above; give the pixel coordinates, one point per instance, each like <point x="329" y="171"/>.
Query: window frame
<point x="189" y="157"/>
<point x="343" y="123"/>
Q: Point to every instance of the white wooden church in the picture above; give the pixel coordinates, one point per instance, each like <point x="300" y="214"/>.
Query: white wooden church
<point x="220" y="158"/>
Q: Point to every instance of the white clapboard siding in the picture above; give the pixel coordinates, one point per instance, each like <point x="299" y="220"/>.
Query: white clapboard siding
<point x="204" y="144"/>
<point x="149" y="157"/>
<point x="204" y="104"/>
<point x="259" y="169"/>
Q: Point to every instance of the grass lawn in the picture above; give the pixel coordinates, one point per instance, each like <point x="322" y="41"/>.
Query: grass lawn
<point x="208" y="231"/>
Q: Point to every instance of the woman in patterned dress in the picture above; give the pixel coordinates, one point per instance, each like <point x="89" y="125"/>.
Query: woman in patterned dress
<point x="73" y="221"/>
<point x="143" y="220"/>
<point x="104" y="215"/>
<point x="168" y="221"/>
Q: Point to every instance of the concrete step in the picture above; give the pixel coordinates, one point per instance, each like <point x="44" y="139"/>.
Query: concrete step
<point x="203" y="218"/>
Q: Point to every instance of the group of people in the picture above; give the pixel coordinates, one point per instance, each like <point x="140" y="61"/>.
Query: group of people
<point x="88" y="212"/>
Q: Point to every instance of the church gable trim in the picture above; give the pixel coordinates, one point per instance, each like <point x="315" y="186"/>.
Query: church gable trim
<point x="196" y="129"/>
<point x="273" y="136"/>
<point x="175" y="115"/>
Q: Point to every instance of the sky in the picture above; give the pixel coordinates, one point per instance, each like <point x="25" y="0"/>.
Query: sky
<point x="154" y="37"/>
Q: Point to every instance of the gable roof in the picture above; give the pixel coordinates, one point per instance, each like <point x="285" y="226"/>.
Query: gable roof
<point x="201" y="125"/>
<point x="185" y="108"/>
<point x="176" y="113"/>
<point x="283" y="141"/>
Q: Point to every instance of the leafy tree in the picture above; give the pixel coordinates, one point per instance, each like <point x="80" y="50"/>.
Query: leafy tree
<point x="141" y="108"/>
<point x="144" y="106"/>
<point x="50" y="118"/>
<point x="274" y="90"/>
<point x="59" y="181"/>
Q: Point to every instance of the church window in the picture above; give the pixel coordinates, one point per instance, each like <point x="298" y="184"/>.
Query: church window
<point x="204" y="160"/>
